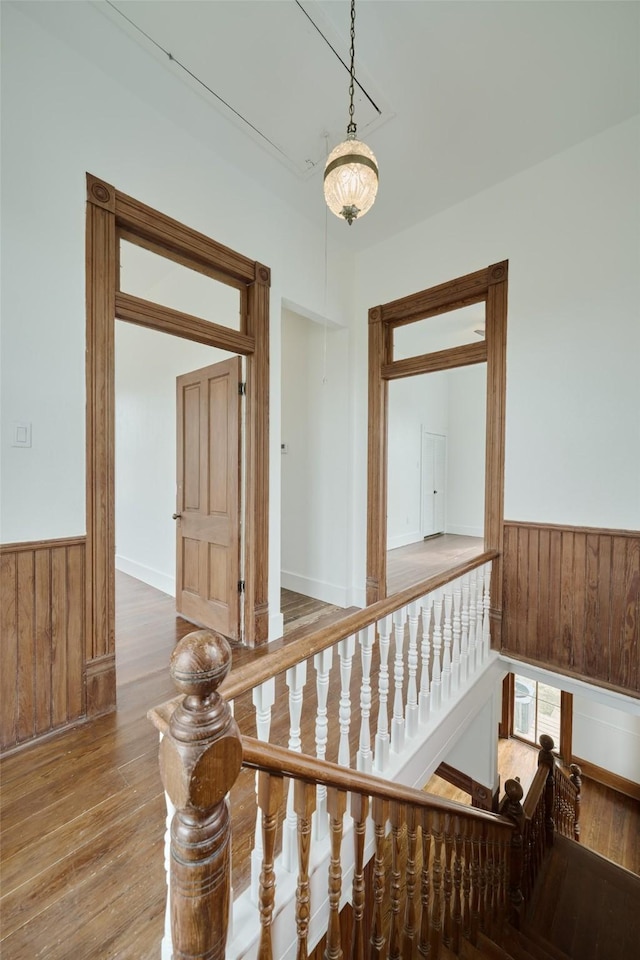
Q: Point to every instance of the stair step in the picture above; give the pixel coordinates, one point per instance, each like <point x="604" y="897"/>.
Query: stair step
<point x="530" y="945"/>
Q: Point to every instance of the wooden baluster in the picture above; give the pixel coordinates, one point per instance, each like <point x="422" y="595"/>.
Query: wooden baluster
<point x="412" y="664"/>
<point x="464" y="631"/>
<point x="447" y="635"/>
<point x="304" y="805"/>
<point x="424" y="699"/>
<point x="513" y="810"/>
<point x="381" y="756"/>
<point x="466" y="880"/>
<point x="322" y="663"/>
<point x="475" y="884"/>
<point x="479" y="616"/>
<point x="483" y="878"/>
<point x="396" y="816"/>
<point x="380" y="818"/>
<point x="296" y="677"/>
<point x="346" y="650"/>
<point x="447" y="925"/>
<point x="472" y="664"/>
<point x="410" y="932"/>
<point x="364" y="759"/>
<point x="337" y="804"/>
<point x="486" y="610"/>
<point x="436" y="871"/>
<point x="457" y="630"/>
<point x="425" y="891"/>
<point x="397" y="720"/>
<point x="457" y="885"/>
<point x="547" y="759"/>
<point x="436" y="678"/>
<point x="270" y="794"/>
<point x="263" y="697"/>
<point x="359" y="814"/>
<point x="202" y="735"/>
<point x="576" y="780"/>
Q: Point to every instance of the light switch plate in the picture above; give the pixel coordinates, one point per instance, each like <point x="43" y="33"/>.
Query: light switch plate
<point x="21" y="434"/>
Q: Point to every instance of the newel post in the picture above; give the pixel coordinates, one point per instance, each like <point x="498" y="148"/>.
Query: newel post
<point x="513" y="810"/>
<point x="547" y="759"/>
<point x="200" y="758"/>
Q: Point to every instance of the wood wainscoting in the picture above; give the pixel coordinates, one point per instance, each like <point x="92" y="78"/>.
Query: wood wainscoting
<point x="42" y="635"/>
<point x="571" y="601"/>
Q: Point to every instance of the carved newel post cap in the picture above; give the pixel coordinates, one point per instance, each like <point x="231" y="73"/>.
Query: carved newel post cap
<point x="200" y="662"/>
<point x="546" y="742"/>
<point x="513" y="789"/>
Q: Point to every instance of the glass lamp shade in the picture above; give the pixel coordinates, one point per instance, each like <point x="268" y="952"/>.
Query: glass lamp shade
<point x="350" y="179"/>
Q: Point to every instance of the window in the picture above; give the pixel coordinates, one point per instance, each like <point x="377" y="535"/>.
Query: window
<point x="536" y="710"/>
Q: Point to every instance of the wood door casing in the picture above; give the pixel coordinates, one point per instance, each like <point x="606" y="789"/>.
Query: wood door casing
<point x="208" y="497"/>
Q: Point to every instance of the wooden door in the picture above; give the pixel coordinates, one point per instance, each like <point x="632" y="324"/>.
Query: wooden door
<point x="208" y="497"/>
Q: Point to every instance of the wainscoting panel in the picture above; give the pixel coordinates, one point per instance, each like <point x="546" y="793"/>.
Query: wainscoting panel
<point x="571" y="600"/>
<point x="42" y="617"/>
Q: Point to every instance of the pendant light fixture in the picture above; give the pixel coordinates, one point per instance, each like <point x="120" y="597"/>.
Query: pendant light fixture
<point x="351" y="171"/>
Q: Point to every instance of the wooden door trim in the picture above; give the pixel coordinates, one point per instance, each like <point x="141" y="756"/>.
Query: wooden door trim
<point x="487" y="286"/>
<point x="111" y="214"/>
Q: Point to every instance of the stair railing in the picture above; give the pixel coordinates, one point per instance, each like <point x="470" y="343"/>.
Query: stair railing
<point x="427" y="872"/>
<point x="552" y="805"/>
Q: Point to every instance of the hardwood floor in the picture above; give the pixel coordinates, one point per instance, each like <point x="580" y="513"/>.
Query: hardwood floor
<point x="418" y="561"/>
<point x="83" y="817"/>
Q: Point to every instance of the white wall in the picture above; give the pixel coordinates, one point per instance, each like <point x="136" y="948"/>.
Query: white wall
<point x="476" y="753"/>
<point x="147" y="364"/>
<point x="607" y="737"/>
<point x="467" y="408"/>
<point x="63" y="115"/>
<point x="570" y="228"/>
<point x="315" y="429"/>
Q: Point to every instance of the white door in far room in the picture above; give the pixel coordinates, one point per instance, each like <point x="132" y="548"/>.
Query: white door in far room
<point x="433" y="459"/>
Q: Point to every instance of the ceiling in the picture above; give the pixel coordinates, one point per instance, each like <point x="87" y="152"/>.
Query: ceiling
<point x="453" y="96"/>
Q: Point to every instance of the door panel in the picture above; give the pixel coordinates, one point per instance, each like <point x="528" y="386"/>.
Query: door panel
<point x="208" y="497"/>
<point x="433" y="483"/>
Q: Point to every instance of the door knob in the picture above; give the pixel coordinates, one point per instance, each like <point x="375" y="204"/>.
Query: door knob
<point x="176" y="516"/>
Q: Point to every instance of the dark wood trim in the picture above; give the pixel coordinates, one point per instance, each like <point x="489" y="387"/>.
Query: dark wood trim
<point x="29" y="545"/>
<point x="505" y="727"/>
<point x="601" y="531"/>
<point x="464" y="356"/>
<point x="566" y="725"/>
<point x="153" y="316"/>
<point x="489" y="286"/>
<point x="612" y="780"/>
<point x="455" y="777"/>
<point x="110" y="215"/>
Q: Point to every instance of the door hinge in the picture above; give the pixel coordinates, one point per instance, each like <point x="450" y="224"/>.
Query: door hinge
<point x="240" y="586"/>
<point x="242" y="388"/>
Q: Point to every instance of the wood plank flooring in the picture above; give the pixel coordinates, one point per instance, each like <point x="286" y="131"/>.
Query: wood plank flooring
<point x="83" y="817"/>
<point x="419" y="561"/>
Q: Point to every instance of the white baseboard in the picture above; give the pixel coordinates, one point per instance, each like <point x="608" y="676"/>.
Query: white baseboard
<point x="318" y="589"/>
<point x="462" y="531"/>
<point x="404" y="539"/>
<point x="155" y="578"/>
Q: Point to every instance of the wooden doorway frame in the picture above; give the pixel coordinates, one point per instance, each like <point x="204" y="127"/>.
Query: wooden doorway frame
<point x="112" y="216"/>
<point x="488" y="286"/>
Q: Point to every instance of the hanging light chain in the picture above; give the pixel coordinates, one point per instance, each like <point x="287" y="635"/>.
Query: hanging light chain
<point x="351" y="127"/>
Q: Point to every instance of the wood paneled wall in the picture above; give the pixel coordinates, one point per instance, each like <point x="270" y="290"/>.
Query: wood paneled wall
<point x="571" y="600"/>
<point x="42" y="636"/>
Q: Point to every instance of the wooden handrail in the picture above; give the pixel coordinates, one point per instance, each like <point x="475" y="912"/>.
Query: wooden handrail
<point x="535" y="792"/>
<point x="270" y="758"/>
<point x="271" y="664"/>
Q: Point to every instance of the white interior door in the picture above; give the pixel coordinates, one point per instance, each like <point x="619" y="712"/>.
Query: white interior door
<point x="433" y="456"/>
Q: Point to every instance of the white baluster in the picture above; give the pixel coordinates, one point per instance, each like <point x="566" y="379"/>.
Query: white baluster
<point x="296" y="677"/>
<point x="412" y="662"/>
<point x="397" y="720"/>
<point x="464" y="638"/>
<point x="381" y="755"/>
<point x="425" y="656"/>
<point x="472" y="622"/>
<point x="447" y="634"/>
<point x="263" y="698"/>
<point x="486" y="618"/>
<point x="364" y="757"/>
<point x="479" y="616"/>
<point x="436" y="679"/>
<point x="346" y="650"/>
<point x="455" y="652"/>
<point x="322" y="663"/>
